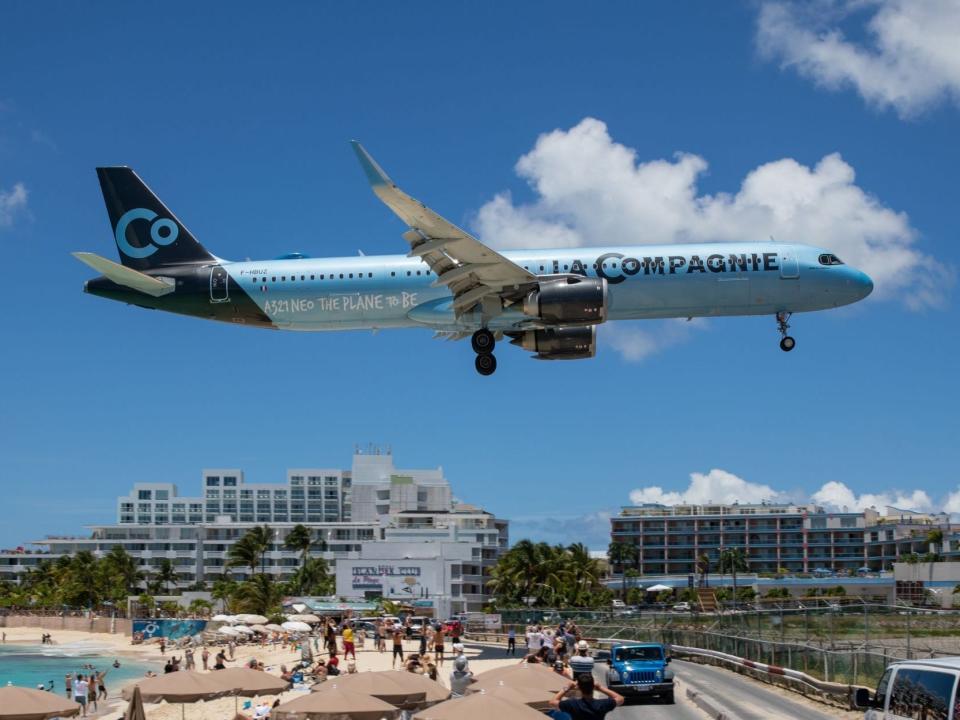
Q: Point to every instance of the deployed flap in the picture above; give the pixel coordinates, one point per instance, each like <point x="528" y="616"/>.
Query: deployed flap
<point x="469" y="268"/>
<point x="125" y="276"/>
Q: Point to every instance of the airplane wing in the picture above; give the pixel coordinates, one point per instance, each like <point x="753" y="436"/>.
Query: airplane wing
<point x="125" y="276"/>
<point x="469" y="268"/>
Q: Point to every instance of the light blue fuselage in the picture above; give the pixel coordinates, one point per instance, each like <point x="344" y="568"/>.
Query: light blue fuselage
<point x="645" y="281"/>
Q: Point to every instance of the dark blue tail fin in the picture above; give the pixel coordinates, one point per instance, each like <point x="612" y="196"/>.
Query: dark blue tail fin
<point x="148" y="235"/>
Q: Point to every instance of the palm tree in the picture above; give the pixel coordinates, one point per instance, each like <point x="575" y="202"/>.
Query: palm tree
<point x="166" y="574"/>
<point x="312" y="578"/>
<point x="935" y="541"/>
<point x="621" y="553"/>
<point x="200" y="607"/>
<point x="250" y="550"/>
<point x="733" y="560"/>
<point x="703" y="567"/>
<point x="582" y="573"/>
<point x="300" y="538"/>
<point x="224" y="588"/>
<point x="259" y="595"/>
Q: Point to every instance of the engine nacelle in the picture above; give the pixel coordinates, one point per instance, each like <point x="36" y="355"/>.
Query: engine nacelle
<point x="569" y="343"/>
<point x="571" y="300"/>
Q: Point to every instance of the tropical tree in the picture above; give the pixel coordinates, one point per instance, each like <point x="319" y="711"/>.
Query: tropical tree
<point x="703" y="567"/>
<point x="250" y="550"/>
<point x="935" y="540"/>
<point x="224" y="588"/>
<point x="200" y="607"/>
<point x="312" y="578"/>
<point x="166" y="574"/>
<point x="259" y="595"/>
<point x="732" y="560"/>
<point x="621" y="553"/>
<point x="147" y="602"/>
<point x="542" y="574"/>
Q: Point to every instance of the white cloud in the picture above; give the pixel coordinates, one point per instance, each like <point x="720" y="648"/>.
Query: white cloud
<point x="717" y="486"/>
<point x="837" y="495"/>
<point x="638" y="340"/>
<point x="910" y="59"/>
<point x="720" y="486"/>
<point x="12" y="201"/>
<point x="952" y="503"/>
<point x="591" y="190"/>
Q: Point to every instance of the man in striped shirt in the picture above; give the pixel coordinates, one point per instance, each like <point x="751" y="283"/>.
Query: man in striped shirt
<point x="581" y="663"/>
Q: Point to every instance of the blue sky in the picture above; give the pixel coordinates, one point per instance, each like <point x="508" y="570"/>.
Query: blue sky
<point x="239" y="117"/>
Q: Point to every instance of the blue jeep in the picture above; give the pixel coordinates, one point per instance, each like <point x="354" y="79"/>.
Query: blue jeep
<point x="639" y="670"/>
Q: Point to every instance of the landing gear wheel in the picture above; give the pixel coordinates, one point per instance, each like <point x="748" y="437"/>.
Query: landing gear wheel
<point x="483" y="341"/>
<point x="486" y="364"/>
<point x="787" y="343"/>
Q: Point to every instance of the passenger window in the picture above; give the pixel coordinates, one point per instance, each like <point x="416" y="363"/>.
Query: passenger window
<point x="321" y="277"/>
<point x="273" y="279"/>
<point x="283" y="278"/>
<point x="312" y="277"/>
<point x="921" y="694"/>
<point x="393" y="273"/>
<point x="369" y="275"/>
<point x="302" y="277"/>
<point x="341" y="276"/>
<point x="418" y="272"/>
<point x="351" y="275"/>
<point x="408" y="273"/>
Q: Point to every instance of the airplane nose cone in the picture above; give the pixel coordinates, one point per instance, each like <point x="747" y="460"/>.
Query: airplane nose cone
<point x="864" y="284"/>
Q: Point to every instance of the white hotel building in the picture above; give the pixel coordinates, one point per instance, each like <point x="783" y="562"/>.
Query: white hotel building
<point x="371" y="511"/>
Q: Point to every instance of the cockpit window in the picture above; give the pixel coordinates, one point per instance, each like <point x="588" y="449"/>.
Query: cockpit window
<point x="830" y="259"/>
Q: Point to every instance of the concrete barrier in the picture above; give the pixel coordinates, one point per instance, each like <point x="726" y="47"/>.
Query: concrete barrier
<point x="107" y="625"/>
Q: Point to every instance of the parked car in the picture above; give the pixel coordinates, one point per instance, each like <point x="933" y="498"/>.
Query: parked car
<point x="910" y="685"/>
<point x="640" y="670"/>
<point x="682" y="607"/>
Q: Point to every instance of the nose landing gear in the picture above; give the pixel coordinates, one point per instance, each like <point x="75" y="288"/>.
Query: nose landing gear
<point x="483" y="343"/>
<point x="787" y="343"/>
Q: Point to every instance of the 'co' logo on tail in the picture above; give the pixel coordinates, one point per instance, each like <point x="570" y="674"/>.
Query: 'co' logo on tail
<point x="163" y="231"/>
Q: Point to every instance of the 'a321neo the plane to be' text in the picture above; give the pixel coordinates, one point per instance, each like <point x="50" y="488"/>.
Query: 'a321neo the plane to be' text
<point x="548" y="302"/>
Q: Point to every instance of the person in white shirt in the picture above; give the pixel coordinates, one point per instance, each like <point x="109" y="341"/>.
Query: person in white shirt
<point x="534" y="641"/>
<point x="80" y="688"/>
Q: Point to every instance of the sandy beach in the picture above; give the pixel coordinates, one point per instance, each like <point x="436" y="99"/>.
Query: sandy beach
<point x="481" y="658"/>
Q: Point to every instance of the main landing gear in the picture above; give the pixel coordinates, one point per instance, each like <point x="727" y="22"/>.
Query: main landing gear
<point x="787" y="343"/>
<point x="483" y="343"/>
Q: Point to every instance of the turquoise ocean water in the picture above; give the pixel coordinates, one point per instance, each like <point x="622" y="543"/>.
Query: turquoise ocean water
<point x="30" y="665"/>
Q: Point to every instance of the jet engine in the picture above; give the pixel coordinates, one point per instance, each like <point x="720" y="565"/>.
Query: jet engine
<point x="566" y="343"/>
<point x="571" y="300"/>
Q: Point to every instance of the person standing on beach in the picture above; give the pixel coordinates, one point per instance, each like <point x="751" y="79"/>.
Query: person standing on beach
<point x="232" y="647"/>
<point x="348" y="647"/>
<point x="68" y="684"/>
<point x="397" y="646"/>
<point x="163" y="646"/>
<point x="80" y="688"/>
<point x="512" y="641"/>
<point x="188" y="656"/>
<point x="102" y="685"/>
<point x="438" y="645"/>
<point x="205" y="656"/>
<point x="92" y="691"/>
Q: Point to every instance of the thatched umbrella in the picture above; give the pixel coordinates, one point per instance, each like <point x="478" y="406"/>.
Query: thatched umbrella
<point x="17" y="703"/>
<point x="135" y="710"/>
<point x="247" y="682"/>
<point x="479" y="706"/>
<point x="537" y="698"/>
<point x="381" y="685"/>
<point x="183" y="686"/>
<point x="336" y="704"/>
<point x="525" y="675"/>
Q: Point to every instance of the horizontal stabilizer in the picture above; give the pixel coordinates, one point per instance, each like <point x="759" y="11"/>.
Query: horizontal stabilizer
<point x="125" y="276"/>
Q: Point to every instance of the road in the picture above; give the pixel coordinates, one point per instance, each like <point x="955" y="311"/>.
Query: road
<point x="745" y="698"/>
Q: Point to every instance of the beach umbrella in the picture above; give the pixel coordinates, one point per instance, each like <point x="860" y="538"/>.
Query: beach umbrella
<point x="223" y="618"/>
<point x="248" y="682"/>
<point x="135" y="710"/>
<point x="382" y="685"/>
<point x="243" y="629"/>
<point x="336" y="704"/>
<point x="248" y="619"/>
<point x="273" y="627"/>
<point x="296" y="626"/>
<point x="17" y="703"/>
<point x="537" y="698"/>
<point x="184" y="686"/>
<point x="658" y="588"/>
<point x="259" y="629"/>
<point x="435" y="692"/>
<point x="307" y="618"/>
<point x="479" y="706"/>
<point x="526" y="675"/>
<point x="229" y="631"/>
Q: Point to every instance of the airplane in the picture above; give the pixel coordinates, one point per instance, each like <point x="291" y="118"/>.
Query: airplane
<point x="546" y="301"/>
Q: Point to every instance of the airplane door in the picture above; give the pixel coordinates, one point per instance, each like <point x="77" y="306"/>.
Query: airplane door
<point x="219" y="291"/>
<point x="789" y="265"/>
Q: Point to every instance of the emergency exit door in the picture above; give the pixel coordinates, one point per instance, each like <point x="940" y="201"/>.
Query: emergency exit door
<point x="219" y="290"/>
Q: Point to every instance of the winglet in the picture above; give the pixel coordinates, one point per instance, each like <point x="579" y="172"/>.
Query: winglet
<point x="375" y="174"/>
